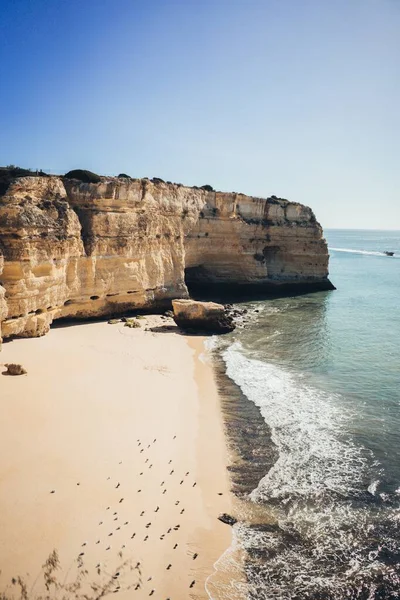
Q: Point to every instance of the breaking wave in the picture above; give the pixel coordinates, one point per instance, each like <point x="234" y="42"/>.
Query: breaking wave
<point x="331" y="534"/>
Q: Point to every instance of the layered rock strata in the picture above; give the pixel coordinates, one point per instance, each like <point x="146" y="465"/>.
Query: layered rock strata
<point x="75" y="250"/>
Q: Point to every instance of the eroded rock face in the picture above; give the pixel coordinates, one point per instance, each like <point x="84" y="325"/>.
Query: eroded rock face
<point x="3" y="304"/>
<point x="256" y="244"/>
<point x="209" y="317"/>
<point x="73" y="249"/>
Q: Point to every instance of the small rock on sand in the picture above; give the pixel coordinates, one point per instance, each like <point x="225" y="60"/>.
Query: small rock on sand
<point x="15" y="369"/>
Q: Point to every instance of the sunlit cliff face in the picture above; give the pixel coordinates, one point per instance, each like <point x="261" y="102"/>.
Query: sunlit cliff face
<point x="73" y="249"/>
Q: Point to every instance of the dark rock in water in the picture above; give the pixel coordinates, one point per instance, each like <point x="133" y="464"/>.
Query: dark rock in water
<point x="207" y="317"/>
<point x="228" y="519"/>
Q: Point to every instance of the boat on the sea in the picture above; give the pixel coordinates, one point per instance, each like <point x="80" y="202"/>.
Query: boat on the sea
<point x="388" y="253"/>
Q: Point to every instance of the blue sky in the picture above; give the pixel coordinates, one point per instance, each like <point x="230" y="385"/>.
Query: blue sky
<point x="298" y="98"/>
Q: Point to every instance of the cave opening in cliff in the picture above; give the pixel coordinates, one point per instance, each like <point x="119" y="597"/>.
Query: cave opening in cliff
<point x="198" y="282"/>
<point x="202" y="284"/>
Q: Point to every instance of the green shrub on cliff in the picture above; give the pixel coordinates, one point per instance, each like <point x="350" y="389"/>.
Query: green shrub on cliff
<point x="83" y="175"/>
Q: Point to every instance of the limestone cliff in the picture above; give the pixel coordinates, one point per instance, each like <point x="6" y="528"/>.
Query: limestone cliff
<point x="74" y="249"/>
<point x="3" y="305"/>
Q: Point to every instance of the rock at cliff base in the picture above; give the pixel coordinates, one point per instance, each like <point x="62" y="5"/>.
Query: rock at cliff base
<point x="132" y="323"/>
<point x="208" y="317"/>
<point x="15" y="369"/>
<point x="225" y="518"/>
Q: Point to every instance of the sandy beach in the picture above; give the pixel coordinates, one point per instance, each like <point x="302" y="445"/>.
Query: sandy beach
<point x="112" y="448"/>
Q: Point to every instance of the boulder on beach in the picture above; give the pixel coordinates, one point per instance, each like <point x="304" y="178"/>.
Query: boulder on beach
<point x="15" y="369"/>
<point x="208" y="317"/>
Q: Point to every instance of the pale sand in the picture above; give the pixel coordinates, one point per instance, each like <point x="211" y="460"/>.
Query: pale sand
<point x="71" y="425"/>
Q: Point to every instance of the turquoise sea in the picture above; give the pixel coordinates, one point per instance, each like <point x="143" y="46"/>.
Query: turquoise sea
<point x="324" y="370"/>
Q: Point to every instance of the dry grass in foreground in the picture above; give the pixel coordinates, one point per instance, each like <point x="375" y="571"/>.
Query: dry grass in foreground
<point x="123" y="578"/>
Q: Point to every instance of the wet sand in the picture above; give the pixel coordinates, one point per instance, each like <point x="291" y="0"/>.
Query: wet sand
<point x="113" y="446"/>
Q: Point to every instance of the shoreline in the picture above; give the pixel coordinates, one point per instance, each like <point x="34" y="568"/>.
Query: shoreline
<point x="74" y="435"/>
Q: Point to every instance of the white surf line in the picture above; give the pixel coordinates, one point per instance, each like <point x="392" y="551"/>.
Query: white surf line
<point x="231" y="548"/>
